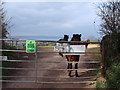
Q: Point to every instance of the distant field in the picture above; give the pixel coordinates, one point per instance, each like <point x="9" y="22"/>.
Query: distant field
<point x="45" y="46"/>
<point x="93" y="45"/>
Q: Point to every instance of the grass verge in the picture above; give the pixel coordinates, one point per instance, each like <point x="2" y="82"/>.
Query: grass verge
<point x="96" y="57"/>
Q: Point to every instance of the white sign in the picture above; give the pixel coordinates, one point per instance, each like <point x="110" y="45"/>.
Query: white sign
<point x="77" y="48"/>
<point x="61" y="47"/>
<point x="66" y="48"/>
<point x="3" y="58"/>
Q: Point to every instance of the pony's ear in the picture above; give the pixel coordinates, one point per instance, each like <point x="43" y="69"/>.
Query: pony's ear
<point x="74" y="35"/>
<point x="80" y="35"/>
<point x="66" y="35"/>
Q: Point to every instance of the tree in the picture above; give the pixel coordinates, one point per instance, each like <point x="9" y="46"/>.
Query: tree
<point x="4" y="22"/>
<point x="109" y="12"/>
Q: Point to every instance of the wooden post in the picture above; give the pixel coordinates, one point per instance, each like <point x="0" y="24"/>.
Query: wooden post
<point x="103" y="58"/>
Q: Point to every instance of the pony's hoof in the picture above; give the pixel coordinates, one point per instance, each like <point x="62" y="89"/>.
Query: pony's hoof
<point x="70" y="75"/>
<point x="77" y="75"/>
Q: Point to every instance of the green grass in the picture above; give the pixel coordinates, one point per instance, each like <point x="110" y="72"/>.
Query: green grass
<point x="101" y="84"/>
<point x="95" y="50"/>
<point x="95" y="41"/>
<point x="113" y="75"/>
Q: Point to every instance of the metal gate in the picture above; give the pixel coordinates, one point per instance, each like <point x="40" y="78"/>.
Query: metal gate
<point x="41" y="42"/>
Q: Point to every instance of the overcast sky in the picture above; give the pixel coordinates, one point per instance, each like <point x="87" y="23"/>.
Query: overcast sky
<point x="53" y="18"/>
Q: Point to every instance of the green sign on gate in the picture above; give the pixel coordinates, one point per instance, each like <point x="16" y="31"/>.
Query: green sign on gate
<point x="30" y="46"/>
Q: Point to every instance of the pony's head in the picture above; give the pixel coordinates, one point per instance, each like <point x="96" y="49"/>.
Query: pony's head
<point x="76" y="37"/>
<point x="66" y="37"/>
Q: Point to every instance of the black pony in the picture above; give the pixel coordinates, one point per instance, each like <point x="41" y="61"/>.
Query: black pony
<point x="66" y="37"/>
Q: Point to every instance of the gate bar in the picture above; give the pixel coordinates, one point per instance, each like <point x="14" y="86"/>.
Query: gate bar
<point x="49" y="82"/>
<point x="53" y="41"/>
<point x="33" y="61"/>
<point x="45" y="77"/>
<point x="47" y="69"/>
<point x="51" y="52"/>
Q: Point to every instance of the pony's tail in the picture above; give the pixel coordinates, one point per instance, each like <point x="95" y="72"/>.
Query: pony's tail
<point x="60" y="54"/>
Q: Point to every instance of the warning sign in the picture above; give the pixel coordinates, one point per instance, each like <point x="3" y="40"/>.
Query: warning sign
<point x="30" y="46"/>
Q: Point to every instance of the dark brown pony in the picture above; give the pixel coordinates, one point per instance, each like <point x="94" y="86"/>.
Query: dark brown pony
<point x="74" y="58"/>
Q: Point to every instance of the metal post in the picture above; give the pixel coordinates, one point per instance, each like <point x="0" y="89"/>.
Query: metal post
<point x="36" y="63"/>
<point x="1" y="42"/>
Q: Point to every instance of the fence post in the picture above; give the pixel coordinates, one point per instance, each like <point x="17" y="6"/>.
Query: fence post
<point x="103" y="58"/>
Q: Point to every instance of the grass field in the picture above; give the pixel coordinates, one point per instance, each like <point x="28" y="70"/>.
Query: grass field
<point x="45" y="46"/>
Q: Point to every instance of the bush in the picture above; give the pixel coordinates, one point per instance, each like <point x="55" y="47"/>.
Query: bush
<point x="111" y="48"/>
<point x="111" y="44"/>
<point x="112" y="74"/>
<point x="10" y="55"/>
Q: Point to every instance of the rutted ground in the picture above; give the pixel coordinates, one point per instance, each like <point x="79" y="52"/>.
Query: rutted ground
<point x="62" y="73"/>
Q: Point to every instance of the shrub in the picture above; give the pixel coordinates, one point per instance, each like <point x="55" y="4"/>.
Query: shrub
<point x="10" y="55"/>
<point x="112" y="74"/>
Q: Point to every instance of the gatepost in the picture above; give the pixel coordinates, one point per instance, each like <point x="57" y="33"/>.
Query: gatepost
<point x="31" y="48"/>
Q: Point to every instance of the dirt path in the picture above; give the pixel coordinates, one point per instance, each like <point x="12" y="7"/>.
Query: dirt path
<point x="55" y="73"/>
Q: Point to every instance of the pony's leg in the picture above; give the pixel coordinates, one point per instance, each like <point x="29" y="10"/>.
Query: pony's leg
<point x="70" y="67"/>
<point x="76" y="67"/>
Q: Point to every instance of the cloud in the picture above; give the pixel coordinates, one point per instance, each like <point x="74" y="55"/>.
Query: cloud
<point x="67" y="25"/>
<point x="51" y="18"/>
<point x="56" y="0"/>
